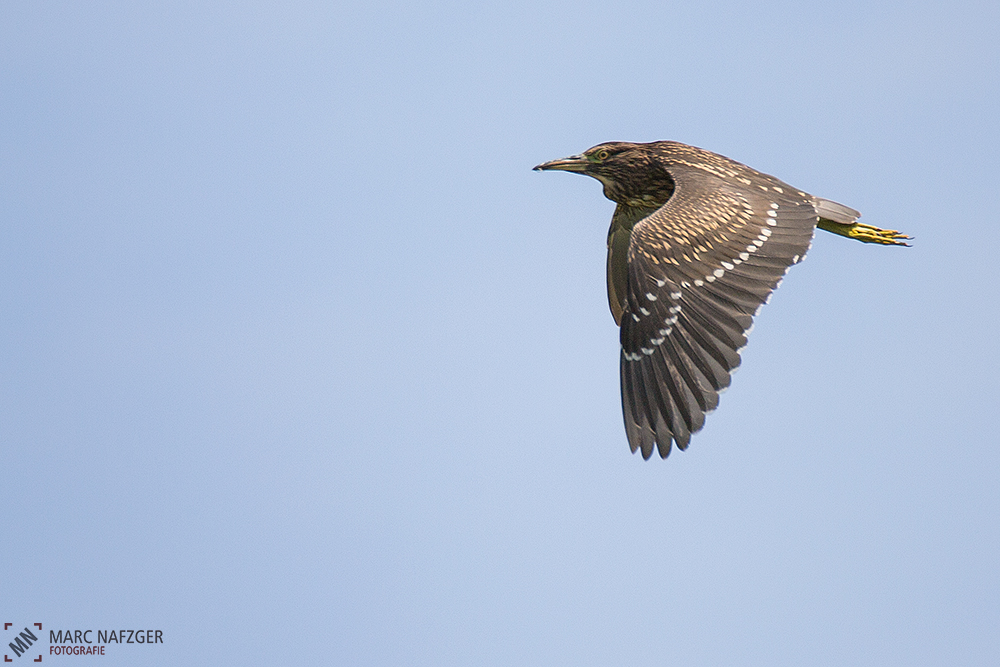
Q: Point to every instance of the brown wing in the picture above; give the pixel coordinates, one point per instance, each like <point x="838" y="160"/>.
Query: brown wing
<point x="619" y="237"/>
<point x="699" y="269"/>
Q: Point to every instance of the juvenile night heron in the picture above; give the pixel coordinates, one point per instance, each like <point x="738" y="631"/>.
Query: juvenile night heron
<point x="697" y="244"/>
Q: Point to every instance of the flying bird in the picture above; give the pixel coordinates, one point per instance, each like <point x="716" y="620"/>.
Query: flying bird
<point x="697" y="244"/>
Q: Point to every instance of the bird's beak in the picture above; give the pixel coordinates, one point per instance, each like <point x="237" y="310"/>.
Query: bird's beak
<point x="572" y="163"/>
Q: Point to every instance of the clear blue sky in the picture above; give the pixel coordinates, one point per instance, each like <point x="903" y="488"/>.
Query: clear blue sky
<point x="301" y="363"/>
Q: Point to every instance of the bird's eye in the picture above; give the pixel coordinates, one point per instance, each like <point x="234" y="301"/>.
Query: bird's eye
<point x="602" y="155"/>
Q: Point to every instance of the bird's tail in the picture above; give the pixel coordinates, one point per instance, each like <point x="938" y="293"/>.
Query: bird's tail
<point x="842" y="220"/>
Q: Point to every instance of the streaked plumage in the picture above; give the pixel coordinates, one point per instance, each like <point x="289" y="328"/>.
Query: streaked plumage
<point x="697" y="244"/>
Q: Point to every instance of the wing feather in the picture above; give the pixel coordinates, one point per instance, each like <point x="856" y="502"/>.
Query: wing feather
<point x="698" y="270"/>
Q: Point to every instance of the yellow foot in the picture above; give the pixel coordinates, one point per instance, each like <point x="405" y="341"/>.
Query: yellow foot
<point x="866" y="233"/>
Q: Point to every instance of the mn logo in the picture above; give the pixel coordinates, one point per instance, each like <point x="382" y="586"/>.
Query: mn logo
<point x="22" y="642"/>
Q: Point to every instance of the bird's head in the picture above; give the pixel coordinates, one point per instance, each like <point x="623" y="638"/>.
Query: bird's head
<point x="629" y="172"/>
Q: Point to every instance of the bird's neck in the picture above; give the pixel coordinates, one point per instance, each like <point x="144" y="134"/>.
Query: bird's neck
<point x="650" y="192"/>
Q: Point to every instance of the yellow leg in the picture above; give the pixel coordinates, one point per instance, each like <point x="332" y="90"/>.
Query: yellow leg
<point x="865" y="233"/>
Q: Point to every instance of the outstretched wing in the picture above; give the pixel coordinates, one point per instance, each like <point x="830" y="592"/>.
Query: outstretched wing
<point x="699" y="269"/>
